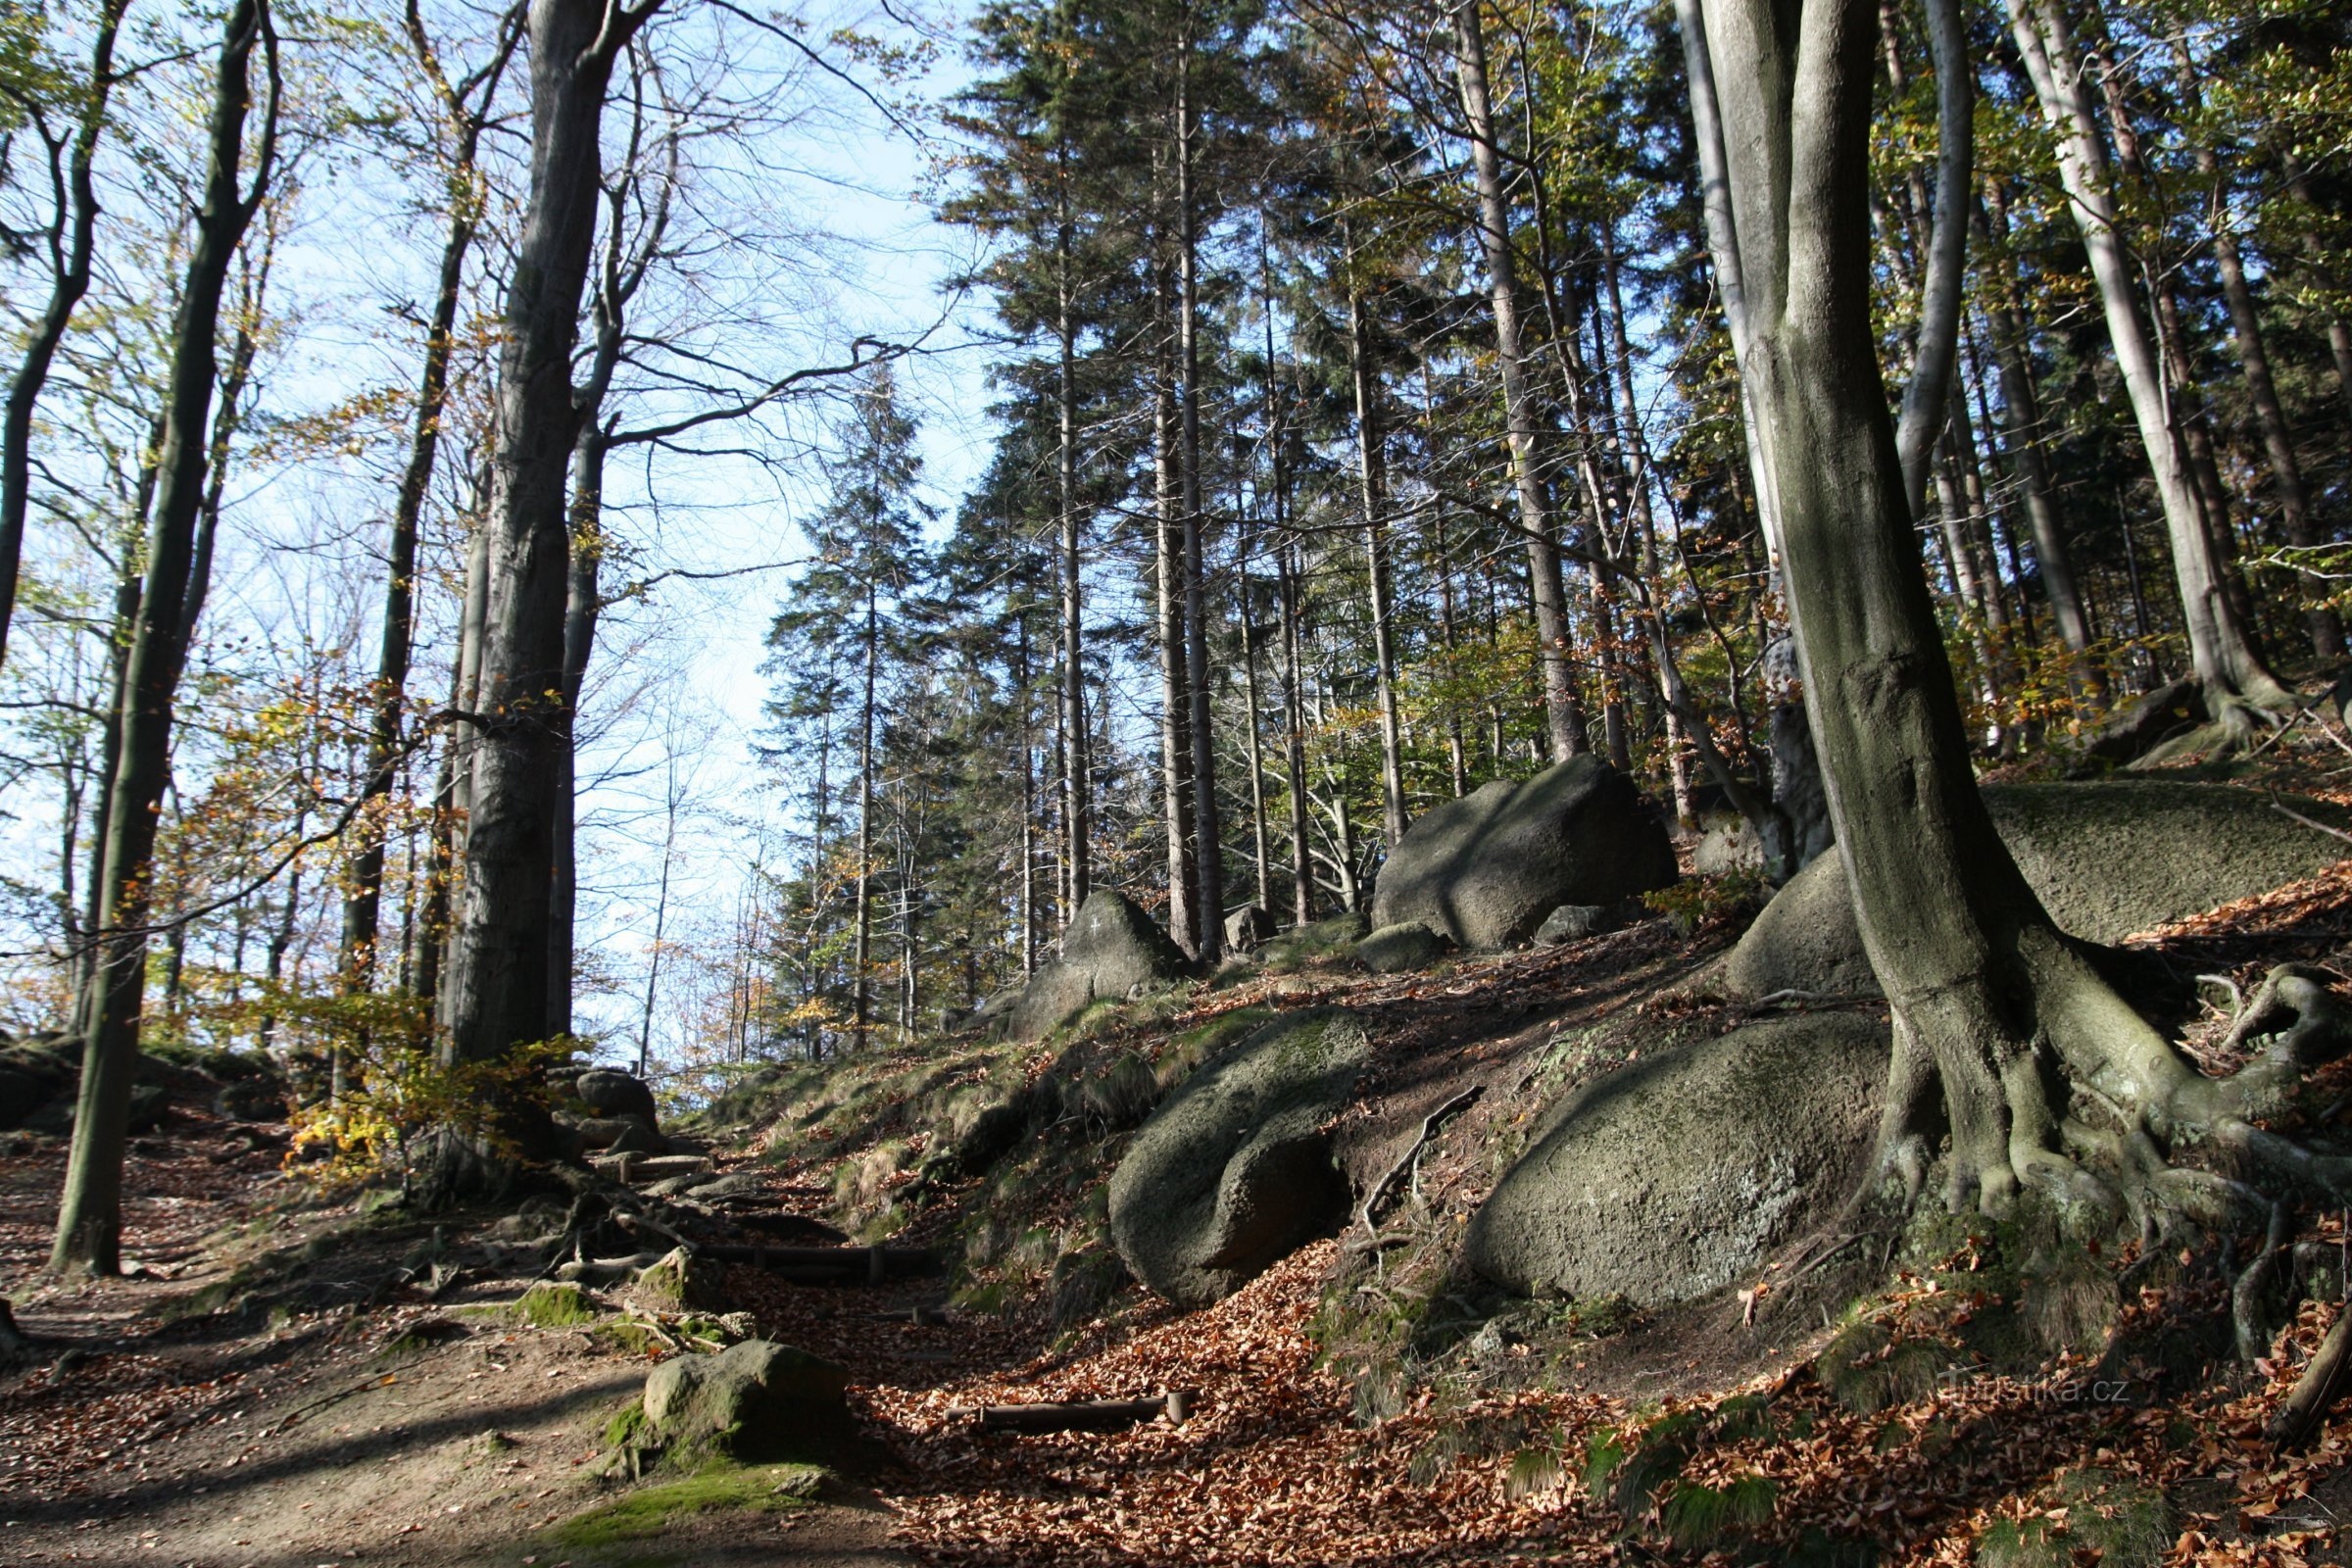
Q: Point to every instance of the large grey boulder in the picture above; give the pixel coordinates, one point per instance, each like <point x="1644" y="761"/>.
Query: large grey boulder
<point x="757" y="1400"/>
<point x="1676" y="1176"/>
<point x="610" y="1093"/>
<point x="1234" y="1171"/>
<point x="1112" y="950"/>
<point x="1249" y="926"/>
<point x="1487" y="868"/>
<point x="2108" y="858"/>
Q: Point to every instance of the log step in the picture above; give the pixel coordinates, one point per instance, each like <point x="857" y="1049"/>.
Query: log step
<point x="1090" y="1415"/>
<point x="832" y="1265"/>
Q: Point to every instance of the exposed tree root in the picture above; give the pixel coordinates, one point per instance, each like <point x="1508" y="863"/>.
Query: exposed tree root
<point x="2191" y="716"/>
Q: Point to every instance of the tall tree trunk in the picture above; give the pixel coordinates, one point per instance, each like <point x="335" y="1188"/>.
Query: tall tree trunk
<point x="1371" y="469"/>
<point x="861" y="1003"/>
<point x="1293" y="727"/>
<point x="2021" y="433"/>
<point x="1175" y="709"/>
<point x="363" y="898"/>
<point x="583" y="603"/>
<point x="2222" y="651"/>
<point x="69" y="239"/>
<point x="89" y="1221"/>
<point x="495" y="991"/>
<point x="1563" y="712"/>
<point x="1077" y="788"/>
<point x="1208" y="854"/>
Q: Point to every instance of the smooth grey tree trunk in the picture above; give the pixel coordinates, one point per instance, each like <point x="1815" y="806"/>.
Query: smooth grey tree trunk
<point x="495" y="990"/>
<point x="89" y="1222"/>
<point x="1077" y="787"/>
<point x="1990" y="1000"/>
<point x="2219" y="645"/>
<point x="1175" y="709"/>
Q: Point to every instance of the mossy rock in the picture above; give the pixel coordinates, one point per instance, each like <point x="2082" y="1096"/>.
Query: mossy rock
<point x="1402" y="949"/>
<point x="1329" y="938"/>
<point x="754" y="1402"/>
<point x="1487" y="868"/>
<point x="1111" y="951"/>
<point x="2107" y="859"/>
<point x="1677" y="1175"/>
<point x="682" y="1282"/>
<point x="1234" y="1171"/>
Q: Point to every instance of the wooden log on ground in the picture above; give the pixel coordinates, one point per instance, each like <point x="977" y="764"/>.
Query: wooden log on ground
<point x="873" y="1264"/>
<point x="1092" y="1415"/>
<point x="2299" y="1419"/>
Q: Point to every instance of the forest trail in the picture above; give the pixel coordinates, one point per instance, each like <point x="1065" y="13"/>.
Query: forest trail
<point x="285" y="1381"/>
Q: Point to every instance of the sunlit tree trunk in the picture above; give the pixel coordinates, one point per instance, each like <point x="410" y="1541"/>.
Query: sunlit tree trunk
<point x="89" y="1220"/>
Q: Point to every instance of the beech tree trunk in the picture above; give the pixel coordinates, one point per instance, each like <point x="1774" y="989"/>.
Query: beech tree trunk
<point x="1991" y="1005"/>
<point x="89" y="1222"/>
<point x="2219" y="644"/>
<point x="496" y="988"/>
<point x="363" y="898"/>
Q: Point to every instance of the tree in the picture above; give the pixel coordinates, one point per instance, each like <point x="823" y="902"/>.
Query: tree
<point x="89" y="1220"/>
<point x="1992" y="1005"/>
<point x="494" y="993"/>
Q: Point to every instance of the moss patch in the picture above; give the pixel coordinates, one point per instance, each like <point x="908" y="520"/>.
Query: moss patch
<point x="649" y="1510"/>
<point x="549" y="1305"/>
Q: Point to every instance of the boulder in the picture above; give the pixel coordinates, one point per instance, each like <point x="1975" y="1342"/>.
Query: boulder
<point x="629" y="1134"/>
<point x="1573" y="922"/>
<point x="1234" y="1171"/>
<point x="1487" y="868"/>
<point x="755" y="1401"/>
<point x="1319" y="939"/>
<point x="610" y="1093"/>
<point x="1677" y="1175"/>
<point x="1247" y="927"/>
<point x="2108" y="858"/>
<point x="1111" y="950"/>
<point x="21" y="1095"/>
<point x="683" y="1282"/>
<point x="1398" y="949"/>
<point x="148" y="1104"/>
<point x="250" y="1100"/>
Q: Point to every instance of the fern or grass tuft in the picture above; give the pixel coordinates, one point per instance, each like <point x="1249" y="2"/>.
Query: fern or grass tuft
<point x="1533" y="1472"/>
<point x="1698" y="1517"/>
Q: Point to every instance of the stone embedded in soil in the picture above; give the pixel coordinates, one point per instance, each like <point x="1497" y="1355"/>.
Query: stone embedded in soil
<point x="2108" y="858"/>
<point x="1234" y="1171"/>
<point x="1399" y="949"/>
<point x="610" y="1093"/>
<point x="1487" y="868"/>
<point x="1111" y="951"/>
<point x="1679" y="1174"/>
<point x="758" y="1400"/>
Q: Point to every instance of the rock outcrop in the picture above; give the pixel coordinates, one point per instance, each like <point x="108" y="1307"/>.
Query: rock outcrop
<point x="1234" y="1171"/>
<point x="1487" y="868"/>
<point x="2108" y="858"/>
<point x="1111" y="950"/>
<point x="1677" y="1175"/>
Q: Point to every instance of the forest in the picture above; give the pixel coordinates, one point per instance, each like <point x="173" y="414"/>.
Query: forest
<point x="1307" y="729"/>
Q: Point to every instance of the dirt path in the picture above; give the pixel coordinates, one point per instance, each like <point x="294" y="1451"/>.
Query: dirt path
<point x="326" y="1426"/>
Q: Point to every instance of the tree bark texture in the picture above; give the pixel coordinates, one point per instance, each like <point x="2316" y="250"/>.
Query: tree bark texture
<point x="495" y="990"/>
<point x="1563" y="713"/>
<point x="90" y="1212"/>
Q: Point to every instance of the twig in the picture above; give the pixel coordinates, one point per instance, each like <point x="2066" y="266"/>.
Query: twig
<point x="2332" y="832"/>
